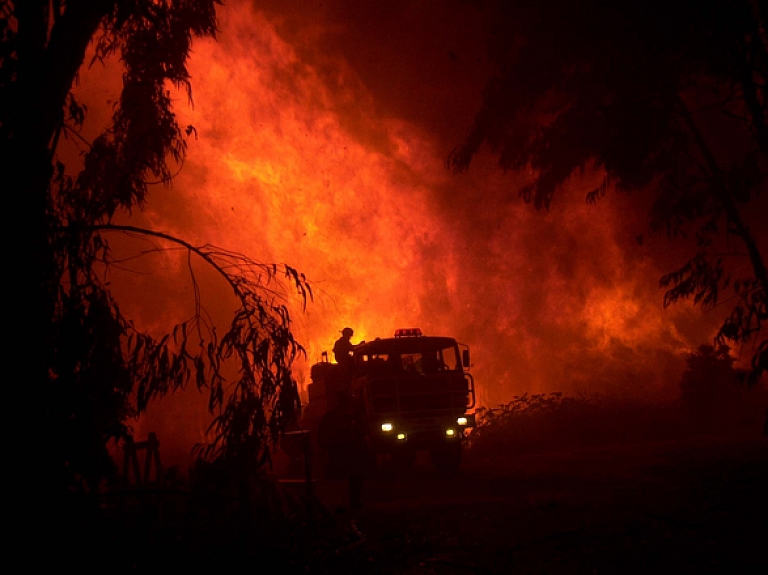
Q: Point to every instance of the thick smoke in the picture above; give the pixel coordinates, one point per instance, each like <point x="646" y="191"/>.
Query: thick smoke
<point x="321" y="135"/>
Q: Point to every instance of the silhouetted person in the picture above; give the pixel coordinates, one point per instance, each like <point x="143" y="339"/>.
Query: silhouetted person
<point x="342" y="349"/>
<point x="428" y="363"/>
<point x="394" y="363"/>
<point x="342" y="352"/>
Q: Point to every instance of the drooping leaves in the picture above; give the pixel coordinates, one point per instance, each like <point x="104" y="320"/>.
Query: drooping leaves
<point x="667" y="99"/>
<point x="98" y="369"/>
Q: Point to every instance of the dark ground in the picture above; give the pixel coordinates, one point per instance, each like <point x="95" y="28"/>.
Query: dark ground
<point x="689" y="506"/>
<point x="699" y="506"/>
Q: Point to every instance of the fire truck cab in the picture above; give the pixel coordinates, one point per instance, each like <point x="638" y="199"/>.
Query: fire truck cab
<point x="413" y="392"/>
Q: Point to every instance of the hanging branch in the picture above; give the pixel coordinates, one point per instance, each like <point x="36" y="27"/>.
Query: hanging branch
<point x="250" y="412"/>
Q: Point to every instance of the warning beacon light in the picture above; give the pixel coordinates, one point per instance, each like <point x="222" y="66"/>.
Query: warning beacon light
<point x="408" y="332"/>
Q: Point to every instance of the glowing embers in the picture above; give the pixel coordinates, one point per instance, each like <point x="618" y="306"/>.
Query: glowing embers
<point x="408" y="332"/>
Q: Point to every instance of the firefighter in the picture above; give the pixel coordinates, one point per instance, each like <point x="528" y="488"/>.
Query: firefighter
<point x="342" y="352"/>
<point x="342" y="349"/>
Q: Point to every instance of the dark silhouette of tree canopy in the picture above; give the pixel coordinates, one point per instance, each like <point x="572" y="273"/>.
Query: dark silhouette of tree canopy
<point x="711" y="395"/>
<point x="94" y="368"/>
<point x="707" y="383"/>
<point x="668" y="97"/>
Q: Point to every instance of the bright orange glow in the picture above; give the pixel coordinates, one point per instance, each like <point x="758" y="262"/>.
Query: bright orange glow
<point x="294" y="164"/>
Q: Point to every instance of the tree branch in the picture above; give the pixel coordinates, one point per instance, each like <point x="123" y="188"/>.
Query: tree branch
<point x="724" y="196"/>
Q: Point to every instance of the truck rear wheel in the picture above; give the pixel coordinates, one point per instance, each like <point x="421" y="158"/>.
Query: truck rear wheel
<point x="447" y="458"/>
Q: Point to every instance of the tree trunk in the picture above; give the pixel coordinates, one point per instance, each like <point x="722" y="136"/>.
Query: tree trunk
<point x="48" y="62"/>
<point x="47" y="68"/>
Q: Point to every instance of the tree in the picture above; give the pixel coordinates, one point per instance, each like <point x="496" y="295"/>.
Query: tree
<point x="706" y="385"/>
<point x="669" y="98"/>
<point x="93" y="360"/>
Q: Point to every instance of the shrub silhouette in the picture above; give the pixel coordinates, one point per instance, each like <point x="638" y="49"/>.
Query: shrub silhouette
<point x="553" y="422"/>
<point x="712" y="391"/>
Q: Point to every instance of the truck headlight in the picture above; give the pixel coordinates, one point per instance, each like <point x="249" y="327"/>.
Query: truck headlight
<point x="386" y="427"/>
<point x="401" y="436"/>
<point x="466" y="420"/>
<point x="450" y="432"/>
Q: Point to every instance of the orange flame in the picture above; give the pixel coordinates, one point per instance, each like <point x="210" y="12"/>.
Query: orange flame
<point x="293" y="164"/>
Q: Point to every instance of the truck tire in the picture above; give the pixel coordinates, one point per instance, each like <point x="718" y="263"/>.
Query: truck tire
<point x="447" y="458"/>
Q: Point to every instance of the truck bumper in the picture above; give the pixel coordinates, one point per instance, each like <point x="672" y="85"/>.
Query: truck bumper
<point x="419" y="434"/>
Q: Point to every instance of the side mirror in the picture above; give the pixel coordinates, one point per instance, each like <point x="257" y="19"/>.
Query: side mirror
<point x="465" y="357"/>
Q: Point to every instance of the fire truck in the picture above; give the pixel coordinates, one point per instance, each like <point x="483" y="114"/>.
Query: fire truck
<point x="413" y="392"/>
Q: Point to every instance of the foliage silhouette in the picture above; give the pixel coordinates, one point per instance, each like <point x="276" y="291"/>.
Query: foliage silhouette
<point x="711" y="401"/>
<point x="711" y="394"/>
<point x="93" y="361"/>
<point x="550" y="422"/>
<point x="707" y="369"/>
<point x="663" y="97"/>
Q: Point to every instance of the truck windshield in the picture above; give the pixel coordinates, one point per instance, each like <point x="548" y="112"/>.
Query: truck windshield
<point x="422" y="357"/>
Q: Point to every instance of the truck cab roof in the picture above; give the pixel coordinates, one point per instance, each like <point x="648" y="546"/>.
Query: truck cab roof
<point x="404" y="345"/>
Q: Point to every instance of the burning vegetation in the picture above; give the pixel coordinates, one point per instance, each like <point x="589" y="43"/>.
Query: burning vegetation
<point x="311" y="140"/>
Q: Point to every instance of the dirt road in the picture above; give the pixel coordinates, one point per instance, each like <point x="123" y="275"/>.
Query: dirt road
<point x="699" y="506"/>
